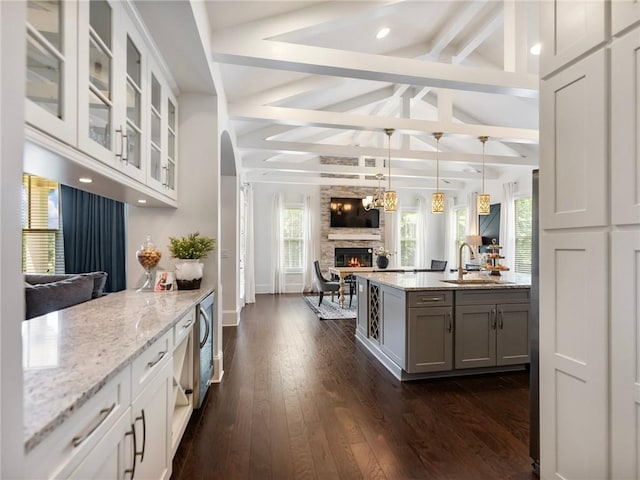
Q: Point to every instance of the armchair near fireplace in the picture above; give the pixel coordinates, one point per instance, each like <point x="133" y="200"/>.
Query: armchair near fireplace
<point x="323" y="284"/>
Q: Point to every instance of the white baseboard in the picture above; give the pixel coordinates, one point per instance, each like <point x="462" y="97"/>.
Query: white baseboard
<point x="218" y="372"/>
<point x="230" y="318"/>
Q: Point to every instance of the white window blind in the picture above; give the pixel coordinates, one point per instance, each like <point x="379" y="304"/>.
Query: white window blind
<point x="292" y="236"/>
<point x="42" y="242"/>
<point x="408" y="225"/>
<point x="523" y="213"/>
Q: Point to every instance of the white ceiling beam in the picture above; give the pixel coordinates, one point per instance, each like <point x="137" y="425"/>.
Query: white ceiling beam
<point x="317" y="118"/>
<point x="479" y="38"/>
<point x="313" y="18"/>
<point x="299" y="148"/>
<point x="257" y="176"/>
<point x="515" y="36"/>
<point x="453" y="29"/>
<point x="421" y="172"/>
<point x="290" y="90"/>
<point x="340" y="63"/>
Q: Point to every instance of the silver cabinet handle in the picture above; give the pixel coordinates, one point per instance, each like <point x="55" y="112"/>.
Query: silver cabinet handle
<point x="450" y="327"/>
<point x="493" y="321"/>
<point x="500" y="320"/>
<point x="430" y="299"/>
<point x="159" y="357"/>
<point x="102" y="416"/>
<point x="187" y="325"/>
<point x="125" y="149"/>
<point x="206" y="331"/>
<point x="166" y="176"/>
<point x="120" y="132"/>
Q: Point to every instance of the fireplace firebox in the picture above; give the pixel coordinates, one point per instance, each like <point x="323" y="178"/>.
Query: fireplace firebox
<point x="353" y="257"/>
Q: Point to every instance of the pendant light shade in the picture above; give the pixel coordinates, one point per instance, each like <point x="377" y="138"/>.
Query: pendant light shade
<point x="437" y="198"/>
<point x="390" y="196"/>
<point x="484" y="200"/>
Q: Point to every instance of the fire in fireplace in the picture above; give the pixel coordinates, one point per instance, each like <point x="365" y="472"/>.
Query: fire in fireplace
<point x="353" y="257"/>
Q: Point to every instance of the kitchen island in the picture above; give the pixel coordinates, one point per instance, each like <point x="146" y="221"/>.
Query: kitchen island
<point x="425" y="324"/>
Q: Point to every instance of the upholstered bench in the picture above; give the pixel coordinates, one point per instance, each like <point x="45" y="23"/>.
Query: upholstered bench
<point x="48" y="293"/>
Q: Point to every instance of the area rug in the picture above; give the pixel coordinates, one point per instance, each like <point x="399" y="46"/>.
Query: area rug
<point x="329" y="310"/>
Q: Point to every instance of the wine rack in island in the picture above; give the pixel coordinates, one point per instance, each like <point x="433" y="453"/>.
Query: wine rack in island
<point x="493" y="259"/>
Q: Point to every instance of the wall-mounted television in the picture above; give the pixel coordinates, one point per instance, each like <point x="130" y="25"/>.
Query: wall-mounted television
<point x="349" y="213"/>
<point x="489" y="227"/>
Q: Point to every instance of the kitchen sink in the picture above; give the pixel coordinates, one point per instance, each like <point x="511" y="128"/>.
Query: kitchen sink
<point x="477" y="281"/>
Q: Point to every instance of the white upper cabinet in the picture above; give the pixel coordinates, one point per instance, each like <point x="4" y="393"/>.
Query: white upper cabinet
<point x="573" y="146"/>
<point x="570" y="28"/>
<point x="51" y="68"/>
<point x="624" y="13"/>
<point x="110" y="90"/>
<point x="625" y="121"/>
<point x="162" y="115"/>
<point x="94" y="82"/>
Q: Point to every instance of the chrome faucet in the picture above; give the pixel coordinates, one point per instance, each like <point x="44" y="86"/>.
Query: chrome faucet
<point x="461" y="272"/>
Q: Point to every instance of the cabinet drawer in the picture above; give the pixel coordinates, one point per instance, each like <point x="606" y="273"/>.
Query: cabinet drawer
<point x="492" y="296"/>
<point x="59" y="454"/>
<point x="183" y="327"/>
<point x="150" y="362"/>
<point x="430" y="298"/>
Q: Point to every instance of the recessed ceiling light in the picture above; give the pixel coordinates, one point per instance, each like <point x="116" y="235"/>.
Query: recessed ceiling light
<point x="142" y="200"/>
<point x="383" y="32"/>
<point x="536" y="49"/>
<point x="85" y="180"/>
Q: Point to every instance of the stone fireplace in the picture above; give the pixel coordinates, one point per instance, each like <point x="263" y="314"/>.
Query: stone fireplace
<point x="353" y="257"/>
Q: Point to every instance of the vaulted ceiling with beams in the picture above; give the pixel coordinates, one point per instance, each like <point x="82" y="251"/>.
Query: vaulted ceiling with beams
<point x="309" y="79"/>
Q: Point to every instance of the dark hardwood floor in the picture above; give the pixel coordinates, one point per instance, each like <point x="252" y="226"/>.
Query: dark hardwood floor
<point x="301" y="399"/>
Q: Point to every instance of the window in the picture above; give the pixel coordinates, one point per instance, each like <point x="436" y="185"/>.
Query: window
<point x="408" y="220"/>
<point x="523" y="214"/>
<point x="42" y="244"/>
<point x="293" y="238"/>
<point x="461" y="226"/>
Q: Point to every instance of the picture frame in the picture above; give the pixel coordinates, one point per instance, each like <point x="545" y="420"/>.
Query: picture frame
<point x="164" y="281"/>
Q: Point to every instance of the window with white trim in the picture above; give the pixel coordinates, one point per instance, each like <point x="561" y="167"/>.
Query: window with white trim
<point x="523" y="214"/>
<point x="408" y="241"/>
<point x="293" y="237"/>
<point x="461" y="225"/>
<point x="42" y="241"/>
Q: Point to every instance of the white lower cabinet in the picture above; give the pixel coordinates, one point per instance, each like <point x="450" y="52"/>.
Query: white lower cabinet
<point x="151" y="414"/>
<point x="112" y="457"/>
<point x="122" y="432"/>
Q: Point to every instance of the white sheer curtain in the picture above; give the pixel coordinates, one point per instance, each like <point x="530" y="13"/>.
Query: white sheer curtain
<point x="421" y="234"/>
<point x="391" y="226"/>
<point x="472" y="223"/>
<point x="508" y="225"/>
<point x="249" y="259"/>
<point x="311" y="243"/>
<point x="450" y="249"/>
<point x="276" y="247"/>
<point x="472" y="213"/>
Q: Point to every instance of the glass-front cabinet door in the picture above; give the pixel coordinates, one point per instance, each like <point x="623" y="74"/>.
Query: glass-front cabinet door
<point x="110" y="90"/>
<point x="51" y="67"/>
<point x="163" y="145"/>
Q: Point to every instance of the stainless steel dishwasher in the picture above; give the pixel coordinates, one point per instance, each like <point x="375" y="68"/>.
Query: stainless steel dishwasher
<point x="204" y="336"/>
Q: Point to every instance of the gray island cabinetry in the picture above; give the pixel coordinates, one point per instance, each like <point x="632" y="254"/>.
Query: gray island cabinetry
<point x="419" y="326"/>
<point x="492" y="328"/>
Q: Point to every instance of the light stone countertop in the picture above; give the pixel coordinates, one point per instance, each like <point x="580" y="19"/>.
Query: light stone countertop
<point x="69" y="355"/>
<point x="412" y="281"/>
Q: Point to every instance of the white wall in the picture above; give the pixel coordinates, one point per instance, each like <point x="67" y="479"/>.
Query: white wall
<point x="229" y="248"/>
<point x="198" y="198"/>
<point x="12" y="81"/>
<point x="263" y="219"/>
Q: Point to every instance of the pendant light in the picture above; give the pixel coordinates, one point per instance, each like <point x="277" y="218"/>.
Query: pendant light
<point x="390" y="196"/>
<point x="437" y="198"/>
<point x="376" y="201"/>
<point x="484" y="200"/>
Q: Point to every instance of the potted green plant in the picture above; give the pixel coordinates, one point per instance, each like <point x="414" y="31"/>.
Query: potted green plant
<point x="190" y="250"/>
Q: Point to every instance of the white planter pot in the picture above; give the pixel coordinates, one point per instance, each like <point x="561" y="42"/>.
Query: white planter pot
<point x="189" y="274"/>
